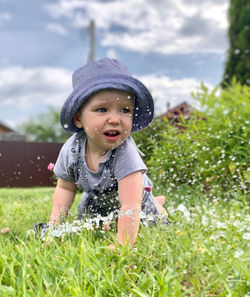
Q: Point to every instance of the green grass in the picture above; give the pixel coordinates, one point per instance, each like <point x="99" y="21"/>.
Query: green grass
<point x="204" y="252"/>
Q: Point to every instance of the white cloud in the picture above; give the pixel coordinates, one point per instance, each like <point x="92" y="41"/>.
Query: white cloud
<point x="167" y="90"/>
<point x="28" y="87"/>
<point x="169" y="26"/>
<point x="5" y="17"/>
<point x="57" y="28"/>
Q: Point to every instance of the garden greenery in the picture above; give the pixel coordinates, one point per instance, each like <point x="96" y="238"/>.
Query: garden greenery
<point x="210" y="152"/>
<point x="203" y="252"/>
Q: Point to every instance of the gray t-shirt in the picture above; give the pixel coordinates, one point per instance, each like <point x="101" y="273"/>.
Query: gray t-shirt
<point x="100" y="188"/>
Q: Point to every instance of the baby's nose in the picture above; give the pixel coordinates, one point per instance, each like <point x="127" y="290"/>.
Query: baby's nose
<point x="114" y="118"/>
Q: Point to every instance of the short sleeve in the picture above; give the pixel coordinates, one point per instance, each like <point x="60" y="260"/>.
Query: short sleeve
<point x="67" y="160"/>
<point x="127" y="159"/>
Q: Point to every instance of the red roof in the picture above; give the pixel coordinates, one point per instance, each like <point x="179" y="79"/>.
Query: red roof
<point x="5" y="128"/>
<point x="182" y="109"/>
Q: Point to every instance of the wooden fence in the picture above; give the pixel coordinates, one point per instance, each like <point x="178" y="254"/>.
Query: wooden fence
<point x="24" y="164"/>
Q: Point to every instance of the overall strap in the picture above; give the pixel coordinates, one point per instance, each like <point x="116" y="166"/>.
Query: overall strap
<point x="111" y="167"/>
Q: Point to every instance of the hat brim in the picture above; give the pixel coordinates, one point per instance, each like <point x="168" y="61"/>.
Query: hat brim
<point x="143" y="105"/>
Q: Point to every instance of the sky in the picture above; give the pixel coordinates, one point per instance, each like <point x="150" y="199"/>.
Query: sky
<point x="170" y="45"/>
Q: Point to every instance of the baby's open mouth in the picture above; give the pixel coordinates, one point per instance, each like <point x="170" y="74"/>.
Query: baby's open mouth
<point x="112" y="133"/>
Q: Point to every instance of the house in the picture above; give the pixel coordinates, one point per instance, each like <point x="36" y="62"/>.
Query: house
<point x="8" y="134"/>
<point x="175" y="113"/>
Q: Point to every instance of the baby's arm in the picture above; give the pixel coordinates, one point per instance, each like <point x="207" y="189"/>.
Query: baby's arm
<point x="64" y="196"/>
<point x="130" y="197"/>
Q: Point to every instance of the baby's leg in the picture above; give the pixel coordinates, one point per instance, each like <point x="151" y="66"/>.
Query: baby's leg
<point x="159" y="202"/>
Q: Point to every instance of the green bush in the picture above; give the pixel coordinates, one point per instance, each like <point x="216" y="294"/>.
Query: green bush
<point x="213" y="150"/>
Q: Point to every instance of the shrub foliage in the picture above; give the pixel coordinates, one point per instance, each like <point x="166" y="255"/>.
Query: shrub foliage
<point x="238" y="62"/>
<point x="213" y="150"/>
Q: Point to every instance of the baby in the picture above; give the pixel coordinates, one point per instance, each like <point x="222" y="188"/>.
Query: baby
<point x="106" y="106"/>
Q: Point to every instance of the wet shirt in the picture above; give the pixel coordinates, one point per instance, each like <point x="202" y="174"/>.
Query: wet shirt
<point x="100" y="188"/>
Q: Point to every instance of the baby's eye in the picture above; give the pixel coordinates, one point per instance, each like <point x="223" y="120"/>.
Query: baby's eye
<point x="125" y="110"/>
<point x="101" y="109"/>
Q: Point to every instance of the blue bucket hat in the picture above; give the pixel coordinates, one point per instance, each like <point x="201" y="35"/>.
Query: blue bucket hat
<point x="107" y="74"/>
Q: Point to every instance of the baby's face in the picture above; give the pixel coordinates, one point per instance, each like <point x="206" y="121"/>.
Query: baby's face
<point x="106" y="118"/>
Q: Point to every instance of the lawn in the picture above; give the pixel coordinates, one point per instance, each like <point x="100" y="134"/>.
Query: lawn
<point x="204" y="252"/>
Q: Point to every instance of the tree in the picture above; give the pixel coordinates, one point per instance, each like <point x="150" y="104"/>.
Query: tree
<point x="238" y="59"/>
<point x="45" y="127"/>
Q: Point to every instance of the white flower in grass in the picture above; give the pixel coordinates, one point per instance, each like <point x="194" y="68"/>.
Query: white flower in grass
<point x="238" y="253"/>
<point x="184" y="210"/>
<point x="171" y="209"/>
<point x="246" y="236"/>
<point x="221" y="225"/>
<point x="204" y="220"/>
<point x="216" y="236"/>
